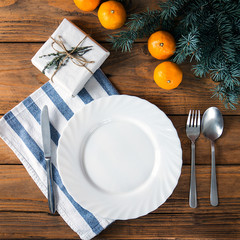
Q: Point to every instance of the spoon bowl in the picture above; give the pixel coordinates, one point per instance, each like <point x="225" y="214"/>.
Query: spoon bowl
<point x="212" y="123"/>
<point x="212" y="128"/>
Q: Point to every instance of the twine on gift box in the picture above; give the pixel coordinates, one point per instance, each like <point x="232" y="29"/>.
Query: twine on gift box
<point x="62" y="56"/>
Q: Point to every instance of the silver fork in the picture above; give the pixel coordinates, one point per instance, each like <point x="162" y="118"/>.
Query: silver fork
<point x="193" y="132"/>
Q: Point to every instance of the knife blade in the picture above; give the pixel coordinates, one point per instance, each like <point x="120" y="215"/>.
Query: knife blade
<point x="46" y="138"/>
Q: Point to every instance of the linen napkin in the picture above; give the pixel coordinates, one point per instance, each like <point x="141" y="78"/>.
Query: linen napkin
<point x="20" y="129"/>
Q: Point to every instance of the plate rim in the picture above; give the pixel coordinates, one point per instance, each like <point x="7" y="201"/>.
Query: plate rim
<point x="109" y="99"/>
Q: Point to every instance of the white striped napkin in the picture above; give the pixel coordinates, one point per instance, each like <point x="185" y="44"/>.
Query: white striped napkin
<point x="20" y="129"/>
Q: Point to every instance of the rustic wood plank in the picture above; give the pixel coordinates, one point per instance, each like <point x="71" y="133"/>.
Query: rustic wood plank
<point x="226" y="150"/>
<point x="130" y="73"/>
<point x="7" y="155"/>
<point x="24" y="211"/>
<point x="175" y="226"/>
<point x="30" y="18"/>
<point x="21" y="225"/>
<point x="26" y="225"/>
<point x="16" y="185"/>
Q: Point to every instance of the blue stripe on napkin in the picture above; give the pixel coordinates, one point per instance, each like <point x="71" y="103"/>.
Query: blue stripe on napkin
<point x="26" y="138"/>
<point x="36" y="112"/>
<point x="85" y="96"/>
<point x="33" y="108"/>
<point x="57" y="100"/>
<point x="104" y="82"/>
<point x="39" y="155"/>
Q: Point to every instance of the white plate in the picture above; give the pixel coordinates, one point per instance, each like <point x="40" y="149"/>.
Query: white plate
<point x="120" y="157"/>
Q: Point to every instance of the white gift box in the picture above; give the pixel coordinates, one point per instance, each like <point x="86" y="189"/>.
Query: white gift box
<point x="70" y="76"/>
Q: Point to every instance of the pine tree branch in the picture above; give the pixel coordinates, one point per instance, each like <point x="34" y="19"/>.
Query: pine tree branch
<point x="139" y="25"/>
<point x="171" y="8"/>
<point x="123" y="40"/>
<point x="207" y="31"/>
<point x="188" y="46"/>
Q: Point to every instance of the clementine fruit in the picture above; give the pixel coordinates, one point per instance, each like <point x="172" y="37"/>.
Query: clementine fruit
<point x="112" y="15"/>
<point x="168" y="75"/>
<point x="161" y="45"/>
<point x="87" y="5"/>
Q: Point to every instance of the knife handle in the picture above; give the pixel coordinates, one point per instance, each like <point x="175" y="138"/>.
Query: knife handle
<point x="51" y="200"/>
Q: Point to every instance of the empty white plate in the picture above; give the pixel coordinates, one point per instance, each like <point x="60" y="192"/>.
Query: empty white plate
<point x="120" y="157"/>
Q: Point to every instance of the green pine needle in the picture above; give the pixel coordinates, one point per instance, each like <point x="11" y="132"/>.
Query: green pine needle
<point x="206" y="32"/>
<point x="123" y="40"/>
<point x="139" y="25"/>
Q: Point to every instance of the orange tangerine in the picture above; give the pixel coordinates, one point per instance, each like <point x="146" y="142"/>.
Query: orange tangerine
<point x="87" y="5"/>
<point x="168" y="75"/>
<point x="112" y="15"/>
<point x="161" y="45"/>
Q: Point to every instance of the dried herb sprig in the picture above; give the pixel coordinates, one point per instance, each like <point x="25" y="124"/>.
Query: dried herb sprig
<point x="62" y="56"/>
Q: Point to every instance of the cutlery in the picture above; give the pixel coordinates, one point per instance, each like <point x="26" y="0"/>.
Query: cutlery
<point x="46" y="138"/>
<point x="212" y="128"/>
<point x="193" y="132"/>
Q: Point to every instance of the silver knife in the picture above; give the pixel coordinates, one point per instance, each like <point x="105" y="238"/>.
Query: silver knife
<point x="46" y="138"/>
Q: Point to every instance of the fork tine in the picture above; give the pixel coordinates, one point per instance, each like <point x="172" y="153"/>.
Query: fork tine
<point x="188" y="120"/>
<point x="195" y="119"/>
<point x="198" y="123"/>
<point x="192" y="119"/>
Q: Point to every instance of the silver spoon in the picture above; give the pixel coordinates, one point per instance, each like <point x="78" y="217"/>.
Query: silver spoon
<point x="212" y="128"/>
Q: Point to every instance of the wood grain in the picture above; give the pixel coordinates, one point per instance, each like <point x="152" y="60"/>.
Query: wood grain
<point x="130" y="73"/>
<point x="153" y="226"/>
<point x="227" y="152"/>
<point x="24" y="26"/>
<point x="26" y="21"/>
<point x="24" y="210"/>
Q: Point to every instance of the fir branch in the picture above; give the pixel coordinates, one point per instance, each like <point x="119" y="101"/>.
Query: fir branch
<point x="225" y="32"/>
<point x="188" y="46"/>
<point x="139" y="26"/>
<point x="123" y="40"/>
<point x="230" y="98"/>
<point x="138" y="21"/>
<point x="171" y="8"/>
<point x="207" y="31"/>
<point x="168" y="10"/>
<point x="200" y="70"/>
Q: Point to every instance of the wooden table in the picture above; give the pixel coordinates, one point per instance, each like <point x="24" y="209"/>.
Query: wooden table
<point x="24" y="26"/>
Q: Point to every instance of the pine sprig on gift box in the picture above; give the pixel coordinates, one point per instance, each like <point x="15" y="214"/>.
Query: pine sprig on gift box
<point x="59" y="57"/>
<point x="206" y="31"/>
